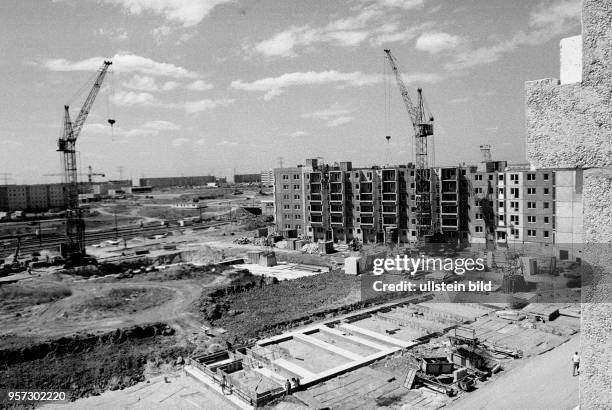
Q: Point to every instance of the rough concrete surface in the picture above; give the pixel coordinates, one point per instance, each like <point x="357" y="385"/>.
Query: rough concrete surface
<point x="571" y="126"/>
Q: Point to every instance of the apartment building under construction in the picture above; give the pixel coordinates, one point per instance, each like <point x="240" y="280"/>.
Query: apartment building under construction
<point x="489" y="205"/>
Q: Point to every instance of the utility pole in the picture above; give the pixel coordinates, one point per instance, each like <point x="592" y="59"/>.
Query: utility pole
<point x="116" y="229"/>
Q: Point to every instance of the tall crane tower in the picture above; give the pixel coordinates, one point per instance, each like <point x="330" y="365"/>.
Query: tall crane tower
<point x="74" y="250"/>
<point x="422" y="123"/>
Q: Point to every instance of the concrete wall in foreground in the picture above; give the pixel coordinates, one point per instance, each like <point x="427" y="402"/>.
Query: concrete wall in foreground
<point x="570" y="125"/>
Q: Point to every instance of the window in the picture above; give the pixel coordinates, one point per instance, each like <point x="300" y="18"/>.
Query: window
<point x="478" y="190"/>
<point x="286" y="206"/>
<point x="285" y="176"/>
<point x="287" y="226"/>
<point x="286" y="196"/>
<point x="531" y="233"/>
<point x="546" y="219"/>
<point x="500" y="204"/>
<point x="296" y="197"/>
<point x="546" y="191"/>
<point x="546" y="234"/>
<point x="477" y="177"/>
<point x="285" y="186"/>
<point x="514" y="205"/>
<point x="531" y="191"/>
<point x="296" y="216"/>
<point x="491" y="177"/>
<point x="515" y="192"/>
<point x="478" y="215"/>
<point x="478" y="229"/>
<point x="296" y="176"/>
<point x="501" y="218"/>
<point x="531" y="177"/>
<point x="531" y="205"/>
<point x="296" y="186"/>
<point x="531" y="219"/>
<point x="500" y="177"/>
<point x="500" y="191"/>
<point x="514" y="177"/>
<point x="546" y="205"/>
<point x="297" y="206"/>
<point x="545" y="177"/>
<point x="514" y="219"/>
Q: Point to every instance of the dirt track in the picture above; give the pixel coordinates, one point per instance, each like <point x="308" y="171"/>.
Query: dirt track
<point x="70" y="315"/>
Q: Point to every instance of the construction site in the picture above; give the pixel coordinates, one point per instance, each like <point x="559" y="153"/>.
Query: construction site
<point x="199" y="292"/>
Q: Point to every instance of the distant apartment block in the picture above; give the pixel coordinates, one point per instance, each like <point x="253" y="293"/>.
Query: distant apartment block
<point x="169" y="182"/>
<point x="32" y="198"/>
<point x="247" y="178"/>
<point x="267" y="178"/>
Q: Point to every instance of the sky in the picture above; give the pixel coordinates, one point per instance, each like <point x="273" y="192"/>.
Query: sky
<point x="221" y="86"/>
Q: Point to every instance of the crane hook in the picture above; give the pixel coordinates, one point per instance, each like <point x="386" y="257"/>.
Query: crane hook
<point x="111" y="122"/>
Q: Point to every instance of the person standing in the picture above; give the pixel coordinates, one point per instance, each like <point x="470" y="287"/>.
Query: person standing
<point x="576" y="362"/>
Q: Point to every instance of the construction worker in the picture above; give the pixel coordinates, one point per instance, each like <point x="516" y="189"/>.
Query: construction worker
<point x="576" y="362"/>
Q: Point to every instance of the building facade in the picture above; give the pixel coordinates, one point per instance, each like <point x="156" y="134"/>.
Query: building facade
<point x="489" y="205"/>
<point x="31" y="198"/>
<point x="169" y="182"/>
<point x="247" y="178"/>
<point x="267" y="178"/>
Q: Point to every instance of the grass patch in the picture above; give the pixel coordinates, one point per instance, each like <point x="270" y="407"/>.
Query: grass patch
<point x="17" y="295"/>
<point x="128" y="299"/>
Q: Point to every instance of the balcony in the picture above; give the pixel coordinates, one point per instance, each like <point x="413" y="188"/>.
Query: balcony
<point x="336" y="197"/>
<point x="315" y="197"/>
<point x="367" y="220"/>
<point x="366" y="197"/>
<point x="389" y="197"/>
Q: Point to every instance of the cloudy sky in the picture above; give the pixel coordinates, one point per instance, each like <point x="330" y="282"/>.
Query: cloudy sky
<point x="206" y="86"/>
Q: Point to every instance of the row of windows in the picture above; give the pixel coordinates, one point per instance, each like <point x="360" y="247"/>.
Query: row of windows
<point x="286" y="177"/>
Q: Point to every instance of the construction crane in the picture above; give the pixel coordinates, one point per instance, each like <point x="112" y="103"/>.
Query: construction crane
<point x="422" y="123"/>
<point x="74" y="250"/>
<point x="90" y="174"/>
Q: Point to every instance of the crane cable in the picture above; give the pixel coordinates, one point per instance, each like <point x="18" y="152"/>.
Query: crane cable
<point x="110" y="108"/>
<point x="387" y="115"/>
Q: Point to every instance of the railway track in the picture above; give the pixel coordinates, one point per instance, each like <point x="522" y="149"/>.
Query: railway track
<point x="50" y="240"/>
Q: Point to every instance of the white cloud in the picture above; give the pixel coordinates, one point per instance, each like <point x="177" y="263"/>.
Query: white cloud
<point x="179" y="142"/>
<point x="548" y="20"/>
<point x="274" y="86"/>
<point x="131" y="98"/>
<point x="339" y="121"/>
<point x="11" y="142"/>
<point x="146" y="83"/>
<point x="118" y="34"/>
<point x="160" y="32"/>
<point x="298" y="134"/>
<point x="199" y="85"/>
<point x="122" y="63"/>
<point x="435" y="42"/>
<point x="421" y="78"/>
<point x="147" y="129"/>
<point x="459" y="100"/>
<point x="334" y="110"/>
<point x="192" y="107"/>
<point x="403" y="4"/>
<point x="228" y="143"/>
<point x="185" y="12"/>
<point x="161" y="125"/>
